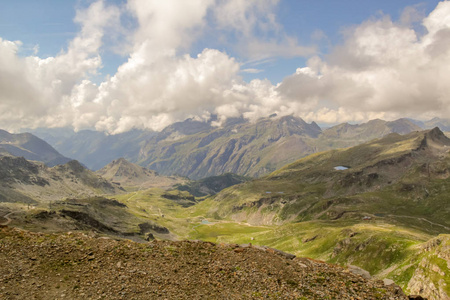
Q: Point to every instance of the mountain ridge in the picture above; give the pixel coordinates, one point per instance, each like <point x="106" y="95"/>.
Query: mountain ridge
<point x="33" y="182"/>
<point x="128" y="174"/>
<point x="197" y="149"/>
<point x="30" y="147"/>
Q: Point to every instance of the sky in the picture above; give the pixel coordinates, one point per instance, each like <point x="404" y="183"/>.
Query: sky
<point x="115" y="65"/>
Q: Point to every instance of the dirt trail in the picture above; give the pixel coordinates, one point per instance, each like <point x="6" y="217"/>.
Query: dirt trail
<point x="422" y="219"/>
<point x="8" y="220"/>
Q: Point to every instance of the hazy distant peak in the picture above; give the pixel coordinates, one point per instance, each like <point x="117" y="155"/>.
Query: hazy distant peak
<point x="31" y="147"/>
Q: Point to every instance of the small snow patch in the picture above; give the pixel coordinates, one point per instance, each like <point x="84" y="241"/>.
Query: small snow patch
<point x="341" y="168"/>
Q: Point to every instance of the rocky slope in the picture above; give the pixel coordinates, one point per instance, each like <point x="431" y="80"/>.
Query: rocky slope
<point x="75" y="266"/>
<point x="95" y="214"/>
<point x="31" y="148"/>
<point x="32" y="182"/>
<point x="131" y="175"/>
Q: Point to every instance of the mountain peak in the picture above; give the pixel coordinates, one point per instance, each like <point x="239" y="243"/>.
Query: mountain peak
<point x="436" y="137"/>
<point x="120" y="161"/>
<point x="132" y="175"/>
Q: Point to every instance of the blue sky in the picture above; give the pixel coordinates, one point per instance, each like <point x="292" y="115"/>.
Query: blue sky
<point x="324" y="61"/>
<point x="49" y="24"/>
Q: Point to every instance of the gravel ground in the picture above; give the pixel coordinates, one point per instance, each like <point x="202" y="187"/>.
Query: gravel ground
<point x="78" y="266"/>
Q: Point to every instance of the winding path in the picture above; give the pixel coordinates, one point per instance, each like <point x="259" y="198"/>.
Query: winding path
<point x="8" y="220"/>
<point x="422" y="219"/>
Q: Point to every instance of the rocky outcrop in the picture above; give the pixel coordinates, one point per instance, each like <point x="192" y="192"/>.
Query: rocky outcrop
<point x="147" y="227"/>
<point x="431" y="276"/>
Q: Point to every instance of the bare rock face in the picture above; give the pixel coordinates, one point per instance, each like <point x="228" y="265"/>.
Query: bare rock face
<point x="358" y="271"/>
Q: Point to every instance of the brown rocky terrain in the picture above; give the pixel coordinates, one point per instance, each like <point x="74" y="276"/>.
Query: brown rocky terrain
<point x="79" y="266"/>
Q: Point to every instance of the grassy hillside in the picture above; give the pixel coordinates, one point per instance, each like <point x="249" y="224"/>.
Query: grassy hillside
<point x="396" y="178"/>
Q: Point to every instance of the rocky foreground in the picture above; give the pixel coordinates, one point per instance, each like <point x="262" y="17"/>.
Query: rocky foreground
<point x="78" y="266"/>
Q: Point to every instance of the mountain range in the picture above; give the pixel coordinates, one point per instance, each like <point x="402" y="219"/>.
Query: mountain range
<point x="198" y="149"/>
<point x="379" y="178"/>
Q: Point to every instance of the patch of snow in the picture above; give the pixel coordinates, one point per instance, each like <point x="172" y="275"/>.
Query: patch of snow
<point x="340" y="168"/>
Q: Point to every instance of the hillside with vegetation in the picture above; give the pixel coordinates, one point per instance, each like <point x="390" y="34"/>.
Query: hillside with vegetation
<point x="387" y="202"/>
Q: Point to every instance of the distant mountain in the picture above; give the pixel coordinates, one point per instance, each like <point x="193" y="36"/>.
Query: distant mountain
<point x="30" y="182"/>
<point x="237" y="147"/>
<point x="132" y="175"/>
<point x="347" y="135"/>
<point x="443" y="124"/>
<point x="95" y="149"/>
<point x="197" y="149"/>
<point x="31" y="148"/>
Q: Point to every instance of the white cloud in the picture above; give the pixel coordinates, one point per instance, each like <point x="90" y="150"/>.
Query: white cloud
<point x="243" y="18"/>
<point x="383" y="69"/>
<point x="174" y="87"/>
<point x="37" y="92"/>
